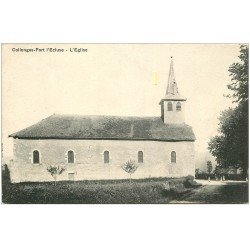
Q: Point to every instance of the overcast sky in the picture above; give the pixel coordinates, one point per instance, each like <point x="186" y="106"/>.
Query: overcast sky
<point x="112" y="79"/>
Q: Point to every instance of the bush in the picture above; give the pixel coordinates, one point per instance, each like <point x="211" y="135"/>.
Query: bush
<point x="5" y="174"/>
<point x="179" y="189"/>
<point x="166" y="189"/>
<point x="174" y="188"/>
<point x="233" y="177"/>
<point x="190" y="177"/>
<point x="191" y="183"/>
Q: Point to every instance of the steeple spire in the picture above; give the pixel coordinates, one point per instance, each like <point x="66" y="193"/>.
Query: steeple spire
<point x="172" y="104"/>
<point x="172" y="88"/>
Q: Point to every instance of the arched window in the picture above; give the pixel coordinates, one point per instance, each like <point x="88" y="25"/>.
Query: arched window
<point x="173" y="157"/>
<point x="71" y="156"/>
<point x="106" y="156"/>
<point x="36" y="157"/>
<point x="178" y="106"/>
<point x="140" y="157"/>
<point x="170" y="106"/>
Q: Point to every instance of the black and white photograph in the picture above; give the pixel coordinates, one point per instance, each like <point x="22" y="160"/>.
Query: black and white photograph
<point x="125" y="123"/>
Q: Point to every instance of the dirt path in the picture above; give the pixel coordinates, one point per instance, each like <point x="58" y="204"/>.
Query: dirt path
<point x="224" y="193"/>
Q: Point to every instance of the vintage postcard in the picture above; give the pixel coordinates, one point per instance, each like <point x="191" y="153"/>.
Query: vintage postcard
<point x="124" y="123"/>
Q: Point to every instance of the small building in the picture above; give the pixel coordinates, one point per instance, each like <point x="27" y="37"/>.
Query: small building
<point x="95" y="147"/>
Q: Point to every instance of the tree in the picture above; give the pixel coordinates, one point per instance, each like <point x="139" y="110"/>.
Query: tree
<point x="130" y="167"/>
<point x="217" y="171"/>
<point x="209" y="167"/>
<point x="230" y="147"/>
<point x="197" y="171"/>
<point x="55" y="171"/>
<point x="239" y="73"/>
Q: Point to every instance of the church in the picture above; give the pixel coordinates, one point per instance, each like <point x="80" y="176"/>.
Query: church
<point x="95" y="147"/>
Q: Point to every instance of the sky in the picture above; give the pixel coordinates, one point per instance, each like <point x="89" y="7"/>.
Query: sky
<point x="113" y="79"/>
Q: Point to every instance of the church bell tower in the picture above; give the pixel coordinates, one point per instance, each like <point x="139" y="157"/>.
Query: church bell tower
<point x="173" y="104"/>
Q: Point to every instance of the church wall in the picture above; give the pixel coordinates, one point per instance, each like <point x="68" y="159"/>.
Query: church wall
<point x="89" y="159"/>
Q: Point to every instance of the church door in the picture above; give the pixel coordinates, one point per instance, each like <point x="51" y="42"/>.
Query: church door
<point x="71" y="176"/>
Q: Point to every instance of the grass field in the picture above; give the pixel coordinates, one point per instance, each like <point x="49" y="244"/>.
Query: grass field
<point x="143" y="191"/>
<point x="158" y="190"/>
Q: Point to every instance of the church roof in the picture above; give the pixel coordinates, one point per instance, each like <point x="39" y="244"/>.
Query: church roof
<point x="172" y="92"/>
<point x="106" y="128"/>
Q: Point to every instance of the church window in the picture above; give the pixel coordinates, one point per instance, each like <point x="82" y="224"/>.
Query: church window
<point x="36" y="157"/>
<point x="140" y="157"/>
<point x="106" y="156"/>
<point x="178" y="106"/>
<point x="170" y="106"/>
<point x="71" y="156"/>
<point x="173" y="157"/>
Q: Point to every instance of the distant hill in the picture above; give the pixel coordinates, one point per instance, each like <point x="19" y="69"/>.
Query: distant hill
<point x="201" y="159"/>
